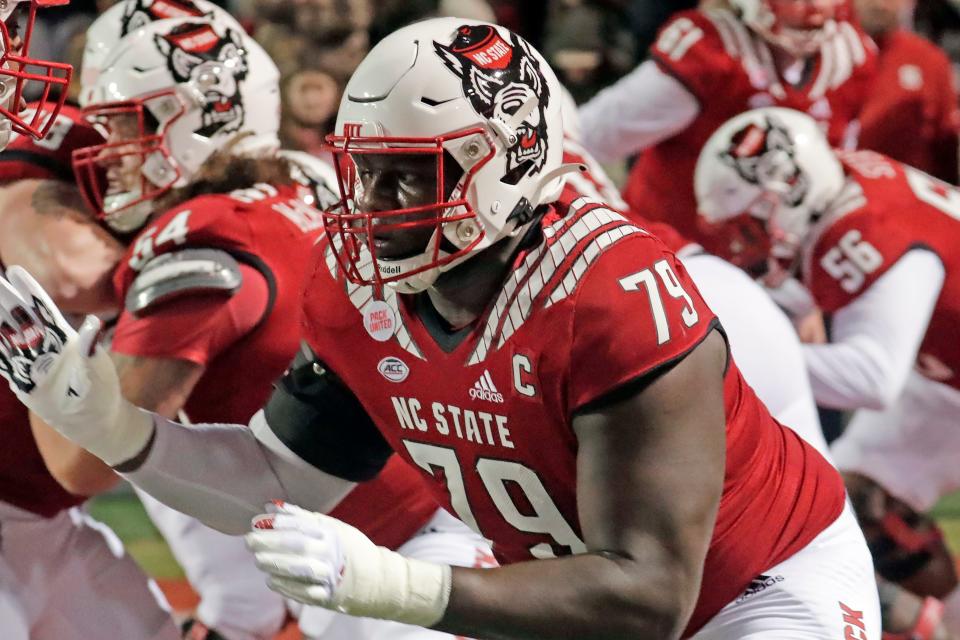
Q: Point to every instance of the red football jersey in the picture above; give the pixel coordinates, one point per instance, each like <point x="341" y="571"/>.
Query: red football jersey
<point x="886" y="210"/>
<point x="24" y="479"/>
<point x="49" y="158"/>
<point x="592" y="182"/>
<point x="911" y="112"/>
<point x="272" y="230"/>
<point x="597" y="304"/>
<point x="729" y="70"/>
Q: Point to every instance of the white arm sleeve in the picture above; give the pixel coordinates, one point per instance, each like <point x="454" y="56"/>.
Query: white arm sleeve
<point x="876" y="337"/>
<point x="763" y="342"/>
<point x="224" y="474"/>
<point x="641" y="109"/>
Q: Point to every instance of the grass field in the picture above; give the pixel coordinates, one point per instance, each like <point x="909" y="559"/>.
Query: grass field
<point x="122" y="511"/>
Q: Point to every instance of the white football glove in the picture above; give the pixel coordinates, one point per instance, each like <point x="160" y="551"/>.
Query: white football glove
<point x="63" y="376"/>
<point x="319" y="560"/>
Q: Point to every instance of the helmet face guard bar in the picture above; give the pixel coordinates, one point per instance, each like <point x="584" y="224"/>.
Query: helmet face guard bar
<point x="21" y="71"/>
<point x="755" y="244"/>
<point x="350" y="230"/>
<point x="89" y="162"/>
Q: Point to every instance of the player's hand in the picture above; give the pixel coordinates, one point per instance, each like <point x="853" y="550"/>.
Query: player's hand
<point x="62" y="375"/>
<point x="319" y="560"/>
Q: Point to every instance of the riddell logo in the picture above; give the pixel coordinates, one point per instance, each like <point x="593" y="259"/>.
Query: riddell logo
<point x="393" y="369"/>
<point x="484" y="389"/>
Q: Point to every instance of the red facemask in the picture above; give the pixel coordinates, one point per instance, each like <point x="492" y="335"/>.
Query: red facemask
<point x="350" y="229"/>
<point x="22" y="75"/>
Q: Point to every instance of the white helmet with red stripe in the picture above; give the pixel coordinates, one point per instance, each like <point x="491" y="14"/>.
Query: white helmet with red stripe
<point x="127" y="16"/>
<point x="761" y="181"/>
<point x="797" y="26"/>
<point x="47" y="80"/>
<point x="470" y="91"/>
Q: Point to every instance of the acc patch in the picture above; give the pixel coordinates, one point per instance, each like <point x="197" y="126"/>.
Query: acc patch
<point x="393" y="369"/>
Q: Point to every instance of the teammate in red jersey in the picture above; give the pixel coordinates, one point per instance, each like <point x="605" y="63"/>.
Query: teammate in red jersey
<point x="709" y="65"/>
<point x="911" y="114"/>
<point x="210" y="284"/>
<point x="550" y="368"/>
<point x="875" y="243"/>
<point x="71" y="256"/>
<point x="761" y="337"/>
<point x="62" y="574"/>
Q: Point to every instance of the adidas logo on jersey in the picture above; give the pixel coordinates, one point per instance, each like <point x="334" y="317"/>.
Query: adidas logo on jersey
<point x="758" y="584"/>
<point x="484" y="389"/>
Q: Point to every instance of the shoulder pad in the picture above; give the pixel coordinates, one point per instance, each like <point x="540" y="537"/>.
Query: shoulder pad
<point x="185" y="272"/>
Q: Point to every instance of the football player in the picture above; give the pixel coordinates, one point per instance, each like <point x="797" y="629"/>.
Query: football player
<point x="223" y="226"/>
<point x="875" y="242"/>
<point x="233" y="599"/>
<point x="552" y="372"/>
<point x="62" y="574"/>
<point x="760" y="334"/>
<point x="706" y="66"/>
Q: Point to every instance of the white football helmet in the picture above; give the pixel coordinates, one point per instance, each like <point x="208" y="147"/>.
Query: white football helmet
<point x="474" y="91"/>
<point x="129" y="15"/>
<point x="194" y="86"/>
<point x="48" y="80"/>
<point x="797" y="26"/>
<point x="761" y="181"/>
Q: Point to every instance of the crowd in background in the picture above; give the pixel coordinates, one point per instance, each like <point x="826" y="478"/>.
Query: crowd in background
<point x="318" y="43"/>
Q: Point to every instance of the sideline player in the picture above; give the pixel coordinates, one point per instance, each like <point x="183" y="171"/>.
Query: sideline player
<point x="562" y="384"/>
<point x="911" y="113"/>
<point x="875" y="242"/>
<point x="62" y="574"/>
<point x="210" y="283"/>
<point x="708" y="65"/>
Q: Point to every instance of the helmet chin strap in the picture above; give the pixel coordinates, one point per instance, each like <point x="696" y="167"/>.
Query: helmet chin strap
<point x="550" y="176"/>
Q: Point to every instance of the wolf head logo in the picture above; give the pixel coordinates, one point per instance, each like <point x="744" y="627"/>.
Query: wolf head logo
<point x="215" y="65"/>
<point x="498" y="77"/>
<point x="764" y="155"/>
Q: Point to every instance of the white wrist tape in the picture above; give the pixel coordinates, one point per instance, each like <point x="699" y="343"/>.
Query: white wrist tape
<point x="380" y="583"/>
<point x="319" y="560"/>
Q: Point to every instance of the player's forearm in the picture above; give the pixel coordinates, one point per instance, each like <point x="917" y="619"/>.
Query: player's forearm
<point x="877" y="336"/>
<point x="856" y="374"/>
<point x="76" y="469"/>
<point x="641" y="109"/>
<point x="224" y="474"/>
<point x="578" y="597"/>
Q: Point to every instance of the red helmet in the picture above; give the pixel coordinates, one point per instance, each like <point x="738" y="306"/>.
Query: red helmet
<point x="48" y="80"/>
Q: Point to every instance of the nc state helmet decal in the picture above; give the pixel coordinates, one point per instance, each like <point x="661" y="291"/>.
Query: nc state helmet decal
<point x="142" y="12"/>
<point x="764" y="155"/>
<point x="213" y="64"/>
<point x="498" y="76"/>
